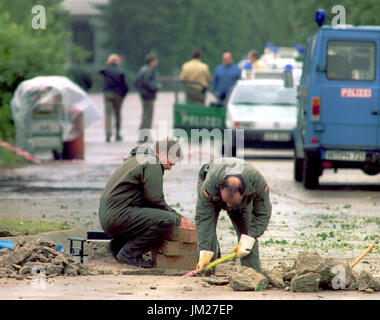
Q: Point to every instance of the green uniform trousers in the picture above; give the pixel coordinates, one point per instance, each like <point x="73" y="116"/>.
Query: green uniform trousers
<point x="139" y="230"/>
<point x="253" y="259"/>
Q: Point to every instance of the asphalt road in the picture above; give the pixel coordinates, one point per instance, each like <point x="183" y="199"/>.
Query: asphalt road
<point x="338" y="220"/>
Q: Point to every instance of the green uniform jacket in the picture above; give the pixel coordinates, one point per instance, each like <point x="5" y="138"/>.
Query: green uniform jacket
<point x="255" y="205"/>
<point x="134" y="184"/>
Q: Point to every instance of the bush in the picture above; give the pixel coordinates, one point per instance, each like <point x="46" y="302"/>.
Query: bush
<point x="7" y="131"/>
<point x="26" y="53"/>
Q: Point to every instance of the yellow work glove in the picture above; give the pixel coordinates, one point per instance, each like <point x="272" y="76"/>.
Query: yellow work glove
<point x="204" y="259"/>
<point x="244" y="246"/>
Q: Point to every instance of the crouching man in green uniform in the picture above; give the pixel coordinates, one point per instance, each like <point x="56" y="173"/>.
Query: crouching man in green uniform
<point x="237" y="187"/>
<point x="133" y="210"/>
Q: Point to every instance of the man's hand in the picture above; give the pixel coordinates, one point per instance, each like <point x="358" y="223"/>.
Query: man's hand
<point x="244" y="246"/>
<point x="204" y="259"/>
<point x="186" y="223"/>
<point x="234" y="249"/>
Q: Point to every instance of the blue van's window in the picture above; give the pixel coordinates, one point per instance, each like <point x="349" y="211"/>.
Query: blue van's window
<point x="351" y="60"/>
<point x="309" y="54"/>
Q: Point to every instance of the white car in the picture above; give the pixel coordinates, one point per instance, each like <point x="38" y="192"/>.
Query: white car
<point x="266" y="110"/>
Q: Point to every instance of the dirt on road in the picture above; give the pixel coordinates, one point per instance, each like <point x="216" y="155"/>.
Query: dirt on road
<point x="339" y="220"/>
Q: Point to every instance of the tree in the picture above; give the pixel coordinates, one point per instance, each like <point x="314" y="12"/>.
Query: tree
<point x="174" y="27"/>
<point x="25" y="52"/>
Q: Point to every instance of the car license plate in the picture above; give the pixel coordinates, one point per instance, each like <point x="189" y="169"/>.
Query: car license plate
<point x="345" y="155"/>
<point x="276" y="136"/>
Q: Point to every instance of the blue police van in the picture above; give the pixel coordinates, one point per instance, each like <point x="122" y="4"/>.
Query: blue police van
<point x="338" y="103"/>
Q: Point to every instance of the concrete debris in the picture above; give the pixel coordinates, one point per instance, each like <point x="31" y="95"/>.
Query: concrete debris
<point x="31" y="258"/>
<point x="274" y="278"/>
<point x="307" y="262"/>
<point x="309" y="273"/>
<point x="245" y="279"/>
<point x="216" y="281"/>
<point x="289" y="275"/>
<point x="366" y="281"/>
<point x="337" y="268"/>
<point x="308" y="282"/>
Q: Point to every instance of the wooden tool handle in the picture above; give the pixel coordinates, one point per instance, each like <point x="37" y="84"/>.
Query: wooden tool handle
<point x="361" y="256"/>
<point x="221" y="260"/>
<point x="212" y="264"/>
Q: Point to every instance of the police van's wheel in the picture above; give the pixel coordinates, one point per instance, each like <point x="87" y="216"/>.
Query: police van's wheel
<point x="310" y="172"/>
<point x="298" y="169"/>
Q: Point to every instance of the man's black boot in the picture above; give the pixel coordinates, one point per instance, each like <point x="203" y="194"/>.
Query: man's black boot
<point x="114" y="247"/>
<point x="125" y="257"/>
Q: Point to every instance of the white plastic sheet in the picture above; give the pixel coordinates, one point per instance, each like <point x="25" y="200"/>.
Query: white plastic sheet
<point x="40" y="94"/>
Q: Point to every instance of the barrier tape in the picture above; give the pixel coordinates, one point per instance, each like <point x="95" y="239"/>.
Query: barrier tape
<point x="20" y="152"/>
<point x="27" y="156"/>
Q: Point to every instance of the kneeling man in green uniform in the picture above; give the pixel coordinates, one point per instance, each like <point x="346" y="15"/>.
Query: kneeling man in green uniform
<point x="133" y="210"/>
<point x="236" y="186"/>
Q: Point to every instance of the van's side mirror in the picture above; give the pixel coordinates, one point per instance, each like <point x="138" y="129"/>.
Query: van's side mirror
<point x="322" y="69"/>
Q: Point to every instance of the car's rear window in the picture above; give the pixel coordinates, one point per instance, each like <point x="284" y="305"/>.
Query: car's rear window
<point x="351" y="60"/>
<point x="264" y="94"/>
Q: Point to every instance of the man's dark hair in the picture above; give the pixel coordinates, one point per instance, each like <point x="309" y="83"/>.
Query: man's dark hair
<point x="196" y="54"/>
<point x="232" y="190"/>
<point x="254" y="54"/>
<point x="151" y="56"/>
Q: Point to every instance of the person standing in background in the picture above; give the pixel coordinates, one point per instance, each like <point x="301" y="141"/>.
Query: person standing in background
<point x="147" y="84"/>
<point x="253" y="64"/>
<point x="115" y="89"/>
<point x="225" y="77"/>
<point x="196" y="75"/>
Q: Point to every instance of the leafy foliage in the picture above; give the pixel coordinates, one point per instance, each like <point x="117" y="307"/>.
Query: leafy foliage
<point x="26" y="53"/>
<point x="174" y="27"/>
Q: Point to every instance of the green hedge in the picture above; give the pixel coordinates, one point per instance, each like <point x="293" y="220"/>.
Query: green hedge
<point x="26" y="53"/>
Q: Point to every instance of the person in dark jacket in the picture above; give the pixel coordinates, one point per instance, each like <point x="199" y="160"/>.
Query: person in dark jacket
<point x="233" y="185"/>
<point x="115" y="89"/>
<point x="147" y="84"/>
<point x="133" y="210"/>
<point x="225" y="77"/>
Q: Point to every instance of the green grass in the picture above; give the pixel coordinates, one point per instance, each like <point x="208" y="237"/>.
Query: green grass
<point x="271" y="241"/>
<point x="9" y="159"/>
<point x="18" y="227"/>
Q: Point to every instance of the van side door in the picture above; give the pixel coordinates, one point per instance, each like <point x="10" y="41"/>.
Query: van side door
<point x="350" y="89"/>
<point x="303" y="95"/>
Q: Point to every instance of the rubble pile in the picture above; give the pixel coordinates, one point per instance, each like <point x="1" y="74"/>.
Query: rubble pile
<point x="309" y="273"/>
<point x="245" y="279"/>
<point x="28" y="258"/>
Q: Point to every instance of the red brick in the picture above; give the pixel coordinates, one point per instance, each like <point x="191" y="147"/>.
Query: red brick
<point x="176" y="248"/>
<point x="183" y="235"/>
<point x="178" y="263"/>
